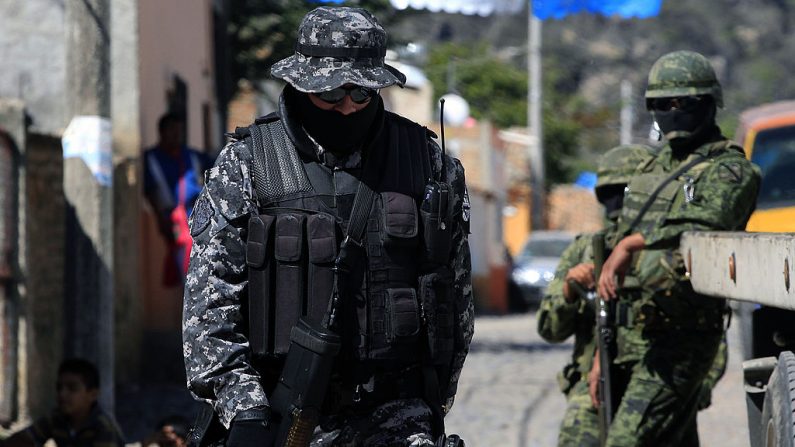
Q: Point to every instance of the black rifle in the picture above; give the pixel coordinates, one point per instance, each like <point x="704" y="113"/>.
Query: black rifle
<point x="606" y="344"/>
<point x="298" y="397"/>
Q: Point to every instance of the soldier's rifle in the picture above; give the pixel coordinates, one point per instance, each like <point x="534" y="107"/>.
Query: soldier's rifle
<point x="605" y="342"/>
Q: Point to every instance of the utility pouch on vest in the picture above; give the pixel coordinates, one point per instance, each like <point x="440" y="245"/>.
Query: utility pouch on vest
<point x="400" y="219"/>
<point x="437" y="307"/>
<point x="258" y="249"/>
<point x="436" y="222"/>
<point x="402" y="315"/>
<point x="288" y="249"/>
<point x="322" y="242"/>
<point x="438" y="312"/>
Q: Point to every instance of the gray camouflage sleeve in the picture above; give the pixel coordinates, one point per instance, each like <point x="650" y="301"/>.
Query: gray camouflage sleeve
<point x="461" y="265"/>
<point x="217" y="356"/>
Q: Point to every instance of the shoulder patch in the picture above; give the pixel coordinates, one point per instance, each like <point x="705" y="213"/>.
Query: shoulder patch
<point x="202" y="213"/>
<point x="730" y="172"/>
<point x="466" y="210"/>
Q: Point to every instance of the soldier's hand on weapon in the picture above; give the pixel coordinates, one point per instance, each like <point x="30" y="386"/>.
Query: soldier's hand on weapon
<point x="617" y="264"/>
<point x="582" y="274"/>
<point x="593" y="380"/>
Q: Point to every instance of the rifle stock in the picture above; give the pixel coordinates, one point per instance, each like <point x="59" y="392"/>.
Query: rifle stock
<point x="605" y="340"/>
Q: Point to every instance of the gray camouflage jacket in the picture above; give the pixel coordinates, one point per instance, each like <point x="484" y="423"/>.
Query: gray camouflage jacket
<point x="215" y="347"/>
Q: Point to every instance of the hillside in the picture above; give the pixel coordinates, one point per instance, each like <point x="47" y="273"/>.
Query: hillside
<point x="750" y="43"/>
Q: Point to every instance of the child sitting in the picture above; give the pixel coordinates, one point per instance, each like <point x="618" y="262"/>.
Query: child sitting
<point x="78" y="420"/>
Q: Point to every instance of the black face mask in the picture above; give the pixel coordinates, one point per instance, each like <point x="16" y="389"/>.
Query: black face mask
<point x="612" y="198"/>
<point x="335" y="132"/>
<point x="687" y="129"/>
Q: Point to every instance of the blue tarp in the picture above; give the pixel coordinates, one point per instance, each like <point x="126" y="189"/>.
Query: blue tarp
<point x="586" y="179"/>
<point x="557" y="9"/>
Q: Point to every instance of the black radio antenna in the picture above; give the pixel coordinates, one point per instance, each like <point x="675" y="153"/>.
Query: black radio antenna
<point x="444" y="151"/>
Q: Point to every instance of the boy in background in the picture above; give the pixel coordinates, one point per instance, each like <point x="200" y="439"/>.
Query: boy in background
<point x="78" y="420"/>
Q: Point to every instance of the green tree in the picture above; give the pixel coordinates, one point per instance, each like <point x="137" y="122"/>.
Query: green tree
<point x="494" y="89"/>
<point x="497" y="90"/>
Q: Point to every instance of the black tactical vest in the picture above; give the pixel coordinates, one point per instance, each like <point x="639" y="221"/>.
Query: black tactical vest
<point x="395" y="302"/>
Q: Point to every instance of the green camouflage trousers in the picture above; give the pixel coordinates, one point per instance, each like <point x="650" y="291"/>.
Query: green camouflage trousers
<point x="580" y="426"/>
<point x="659" y="406"/>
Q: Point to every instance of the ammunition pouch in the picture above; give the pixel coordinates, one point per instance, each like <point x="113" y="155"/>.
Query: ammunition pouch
<point x="438" y="311"/>
<point x="286" y="251"/>
<point x="624" y="315"/>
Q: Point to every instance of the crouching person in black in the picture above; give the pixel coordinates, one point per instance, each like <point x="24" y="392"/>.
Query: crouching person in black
<point x="328" y="299"/>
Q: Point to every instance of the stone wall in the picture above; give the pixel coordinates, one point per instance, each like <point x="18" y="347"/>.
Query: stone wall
<point x="574" y="209"/>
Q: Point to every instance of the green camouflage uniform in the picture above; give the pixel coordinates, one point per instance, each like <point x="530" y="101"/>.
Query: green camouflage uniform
<point x="670" y="346"/>
<point x="559" y="319"/>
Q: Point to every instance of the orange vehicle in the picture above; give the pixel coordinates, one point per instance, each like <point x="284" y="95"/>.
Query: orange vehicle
<point x="767" y="133"/>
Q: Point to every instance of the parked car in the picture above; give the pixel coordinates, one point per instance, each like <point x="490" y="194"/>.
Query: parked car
<point x="535" y="265"/>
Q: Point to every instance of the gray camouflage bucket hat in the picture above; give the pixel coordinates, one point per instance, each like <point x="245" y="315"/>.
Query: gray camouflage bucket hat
<point x="338" y="46"/>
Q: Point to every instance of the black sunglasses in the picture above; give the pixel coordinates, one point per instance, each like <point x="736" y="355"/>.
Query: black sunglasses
<point x="679" y="102"/>
<point x="359" y="95"/>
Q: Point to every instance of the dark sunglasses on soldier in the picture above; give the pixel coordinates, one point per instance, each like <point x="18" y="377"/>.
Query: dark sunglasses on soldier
<point x="359" y="95"/>
<point x="679" y="102"/>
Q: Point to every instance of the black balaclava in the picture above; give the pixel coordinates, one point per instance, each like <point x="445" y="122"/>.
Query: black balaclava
<point x="687" y="129"/>
<point x="612" y="198"/>
<point x="335" y="132"/>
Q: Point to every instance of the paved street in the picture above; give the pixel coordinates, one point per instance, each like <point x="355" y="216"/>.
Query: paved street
<point x="508" y="395"/>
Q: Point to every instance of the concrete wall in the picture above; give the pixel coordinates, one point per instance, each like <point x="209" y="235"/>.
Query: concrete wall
<point x="175" y="38"/>
<point x="127" y="184"/>
<point x="45" y="272"/>
<point x="32" y="39"/>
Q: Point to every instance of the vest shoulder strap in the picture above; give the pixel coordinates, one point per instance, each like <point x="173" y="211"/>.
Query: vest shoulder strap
<point x="277" y="170"/>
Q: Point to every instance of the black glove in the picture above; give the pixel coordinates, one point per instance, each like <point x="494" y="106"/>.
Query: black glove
<point x="450" y="441"/>
<point x="251" y="428"/>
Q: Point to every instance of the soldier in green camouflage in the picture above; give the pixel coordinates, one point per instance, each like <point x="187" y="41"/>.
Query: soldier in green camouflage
<point x="699" y="181"/>
<point x="564" y="313"/>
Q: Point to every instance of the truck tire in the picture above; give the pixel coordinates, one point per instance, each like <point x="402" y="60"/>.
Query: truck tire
<point x="778" y="412"/>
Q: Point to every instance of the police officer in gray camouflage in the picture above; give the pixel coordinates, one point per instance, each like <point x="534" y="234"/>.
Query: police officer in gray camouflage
<point x="268" y="231"/>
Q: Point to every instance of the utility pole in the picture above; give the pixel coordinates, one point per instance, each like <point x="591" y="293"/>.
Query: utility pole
<point x="535" y="146"/>
<point x="88" y="188"/>
<point x="626" y="112"/>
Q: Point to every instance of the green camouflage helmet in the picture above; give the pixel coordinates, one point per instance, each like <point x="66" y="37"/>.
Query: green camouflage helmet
<point x="683" y="73"/>
<point x="618" y="165"/>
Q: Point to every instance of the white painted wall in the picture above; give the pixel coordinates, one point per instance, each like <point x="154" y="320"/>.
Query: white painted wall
<point x="175" y="38"/>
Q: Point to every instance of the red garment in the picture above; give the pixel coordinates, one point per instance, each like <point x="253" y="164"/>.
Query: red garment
<point x="177" y="259"/>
